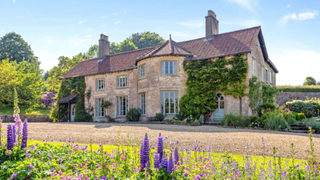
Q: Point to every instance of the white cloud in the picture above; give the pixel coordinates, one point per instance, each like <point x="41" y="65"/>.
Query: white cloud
<point x="114" y="14"/>
<point x="13" y="0"/>
<point x="245" y="23"/>
<point x="89" y="29"/>
<point x="49" y="42"/>
<point x="118" y="22"/>
<point x="297" y="17"/>
<point x="295" y="65"/>
<point x="47" y="59"/>
<point x="288" y="5"/>
<point x="249" y="4"/>
<point x="104" y="16"/>
<point x="103" y="26"/>
<point x="89" y="35"/>
<point x="193" y="23"/>
<point x="81" y="22"/>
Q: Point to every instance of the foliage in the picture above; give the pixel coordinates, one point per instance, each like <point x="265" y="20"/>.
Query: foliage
<point x="309" y="107"/>
<point x="65" y="64"/>
<point x="133" y="114"/>
<point x="205" y="77"/>
<point x="266" y="107"/>
<point x="311" y="88"/>
<point x="28" y="84"/>
<point x="159" y="117"/>
<point x="291" y="118"/>
<point x="179" y="116"/>
<point x="146" y="39"/>
<point x="301" y="116"/>
<point x="6" y="109"/>
<point x="254" y="121"/>
<point x="269" y="93"/>
<point x="274" y="121"/>
<point x="77" y="86"/>
<point x="255" y="93"/>
<point x="309" y="81"/>
<point x="124" y="46"/>
<point x="93" y="52"/>
<point x="313" y="122"/>
<point x="106" y="104"/>
<point x="235" y="120"/>
<point x="14" y="48"/>
<point x="48" y="99"/>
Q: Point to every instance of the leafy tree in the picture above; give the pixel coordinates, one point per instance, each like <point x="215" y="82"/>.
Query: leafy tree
<point x="309" y="81"/>
<point x="65" y="64"/>
<point x="146" y="39"/>
<point x="93" y="52"/>
<point x="29" y="85"/>
<point x="124" y="46"/>
<point x="46" y="75"/>
<point x="12" y="46"/>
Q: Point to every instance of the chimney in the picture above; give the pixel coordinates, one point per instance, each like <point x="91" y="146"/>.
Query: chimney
<point x="212" y="25"/>
<point x="104" y="46"/>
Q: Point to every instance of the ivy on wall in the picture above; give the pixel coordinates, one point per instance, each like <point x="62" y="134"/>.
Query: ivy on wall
<point x="74" y="85"/>
<point x="206" y="77"/>
<point x="259" y="91"/>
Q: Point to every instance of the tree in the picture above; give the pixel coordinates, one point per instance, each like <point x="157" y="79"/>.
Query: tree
<point x="309" y="81"/>
<point x="146" y="39"/>
<point x="47" y="99"/>
<point x="93" y="52"/>
<point x="29" y="85"/>
<point x="124" y="46"/>
<point x="14" y="48"/>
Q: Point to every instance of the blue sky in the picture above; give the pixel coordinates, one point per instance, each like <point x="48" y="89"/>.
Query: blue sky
<point x="56" y="28"/>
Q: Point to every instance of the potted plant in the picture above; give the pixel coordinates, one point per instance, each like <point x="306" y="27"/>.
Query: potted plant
<point x="106" y="104"/>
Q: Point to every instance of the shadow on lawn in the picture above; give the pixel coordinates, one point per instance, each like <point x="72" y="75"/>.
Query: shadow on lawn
<point x="185" y="128"/>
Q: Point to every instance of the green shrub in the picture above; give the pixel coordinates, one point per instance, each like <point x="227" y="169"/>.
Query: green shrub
<point x="274" y="121"/>
<point x="159" y="117"/>
<point x="291" y="118"/>
<point x="314" y="123"/>
<point x="309" y="107"/>
<point x="266" y="107"/>
<point x="300" y="116"/>
<point x="254" y="121"/>
<point x="235" y="120"/>
<point x="179" y="116"/>
<point x="133" y="114"/>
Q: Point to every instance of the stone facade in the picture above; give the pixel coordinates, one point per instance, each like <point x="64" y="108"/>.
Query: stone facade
<point x="153" y="83"/>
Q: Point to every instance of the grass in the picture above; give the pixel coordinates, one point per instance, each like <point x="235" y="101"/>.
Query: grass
<point x="239" y="158"/>
<point x="24" y="110"/>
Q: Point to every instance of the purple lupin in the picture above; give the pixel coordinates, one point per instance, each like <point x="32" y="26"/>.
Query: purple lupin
<point x="164" y="161"/>
<point x="146" y="149"/>
<point x="170" y="165"/>
<point x="9" y="137"/>
<point x="156" y="160"/>
<point x="141" y="158"/>
<point x="176" y="156"/>
<point x="13" y="133"/>
<point x="160" y="147"/>
<point x="24" y="142"/>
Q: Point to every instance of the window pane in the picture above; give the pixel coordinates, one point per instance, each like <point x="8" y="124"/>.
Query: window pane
<point x="172" y="102"/>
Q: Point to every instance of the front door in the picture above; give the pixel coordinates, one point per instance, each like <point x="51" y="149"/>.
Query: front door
<point x="73" y="112"/>
<point x="218" y="113"/>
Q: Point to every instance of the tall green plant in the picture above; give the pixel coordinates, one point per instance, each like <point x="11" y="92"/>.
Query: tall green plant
<point x="255" y="93"/>
<point x="269" y="93"/>
<point x="274" y="121"/>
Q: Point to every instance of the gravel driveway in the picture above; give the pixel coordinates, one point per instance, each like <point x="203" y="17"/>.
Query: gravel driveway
<point x="232" y="140"/>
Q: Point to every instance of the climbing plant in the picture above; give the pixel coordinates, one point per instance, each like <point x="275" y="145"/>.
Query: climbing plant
<point x="259" y="91"/>
<point x="255" y="93"/>
<point x="205" y="77"/>
<point x="77" y="86"/>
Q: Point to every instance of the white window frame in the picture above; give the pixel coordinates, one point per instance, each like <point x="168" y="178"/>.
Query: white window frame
<point x="100" y="84"/>
<point x="142" y="103"/>
<point x="266" y="80"/>
<point x="142" y="71"/>
<point x="271" y="77"/>
<point x="100" y="111"/>
<point x="122" y="106"/>
<point x="168" y="68"/>
<point x="253" y="67"/>
<point x="122" y="81"/>
<point x="167" y="105"/>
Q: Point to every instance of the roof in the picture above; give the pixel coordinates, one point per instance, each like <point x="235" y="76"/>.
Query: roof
<point x="170" y="47"/>
<point x="224" y="44"/>
<point x="69" y="99"/>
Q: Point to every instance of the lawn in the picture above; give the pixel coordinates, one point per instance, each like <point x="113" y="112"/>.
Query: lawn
<point x="24" y="110"/>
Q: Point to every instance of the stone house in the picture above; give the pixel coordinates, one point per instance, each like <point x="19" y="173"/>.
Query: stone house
<point x="154" y="80"/>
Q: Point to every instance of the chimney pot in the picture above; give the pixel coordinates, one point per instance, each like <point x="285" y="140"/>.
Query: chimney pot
<point x="104" y="46"/>
<point x="212" y="25"/>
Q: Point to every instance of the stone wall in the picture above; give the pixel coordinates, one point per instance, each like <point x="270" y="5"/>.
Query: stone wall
<point x="284" y="97"/>
<point x="30" y="118"/>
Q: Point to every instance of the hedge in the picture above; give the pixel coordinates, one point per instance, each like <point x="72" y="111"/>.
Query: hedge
<point x="298" y="88"/>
